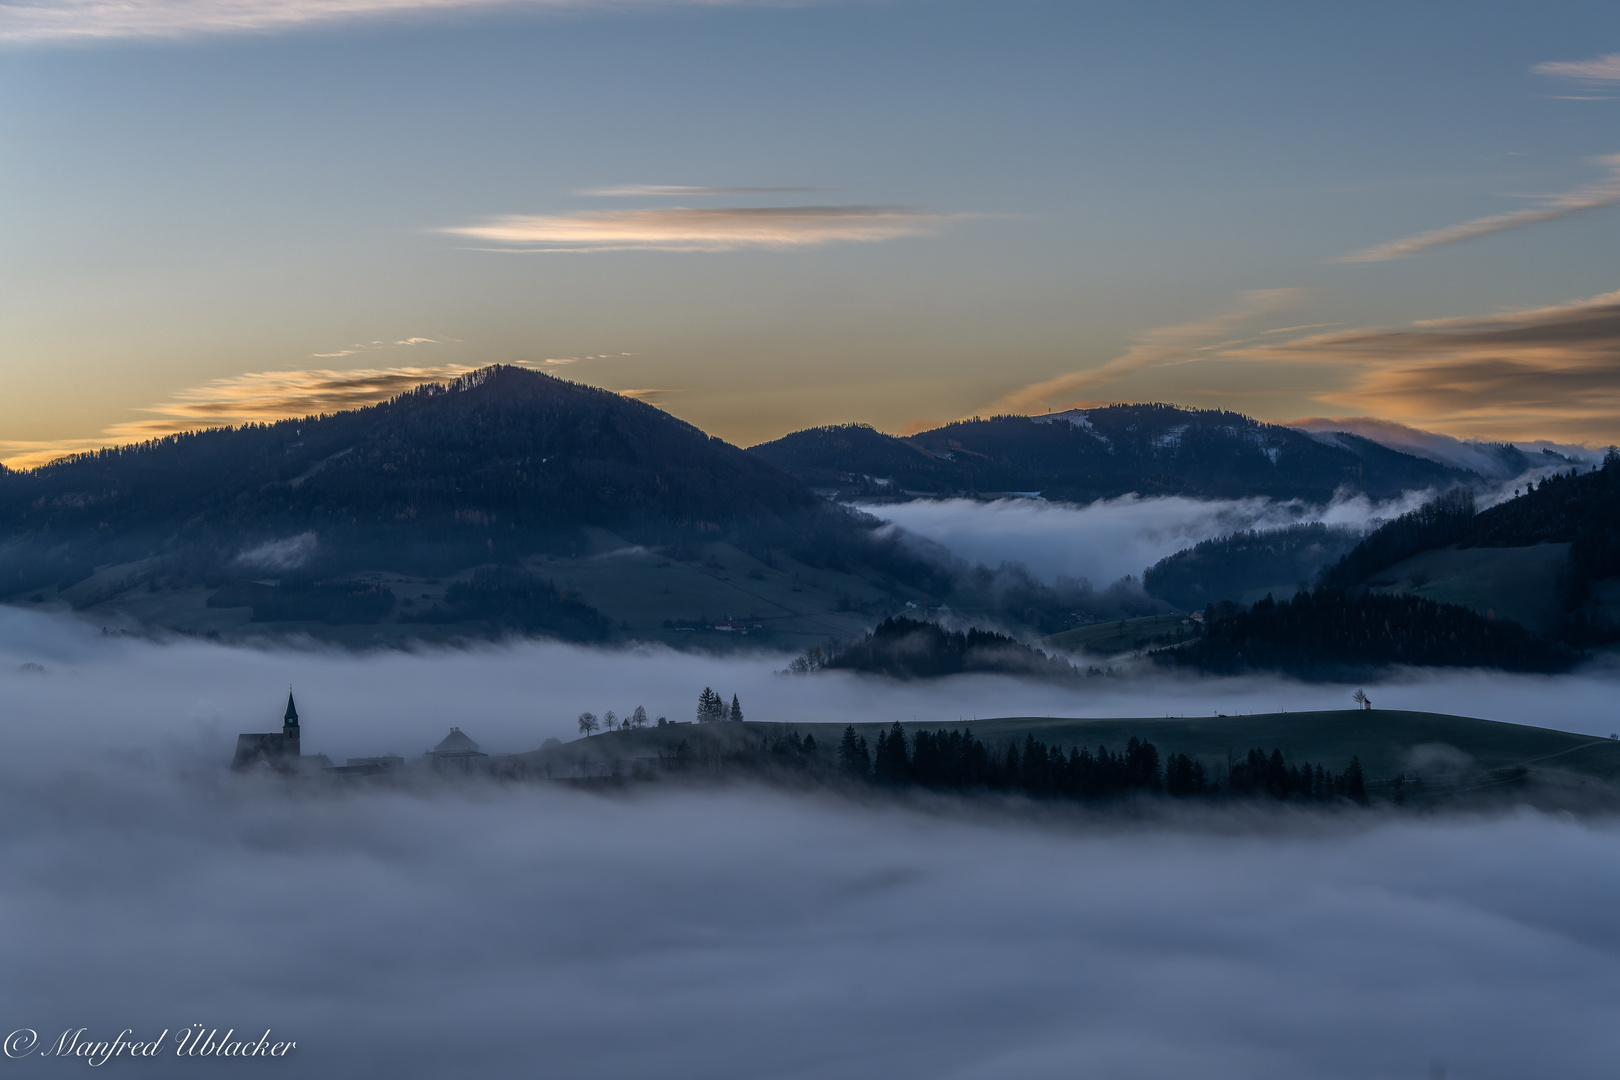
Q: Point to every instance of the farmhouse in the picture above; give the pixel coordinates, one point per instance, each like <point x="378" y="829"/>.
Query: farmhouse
<point x="457" y="751"/>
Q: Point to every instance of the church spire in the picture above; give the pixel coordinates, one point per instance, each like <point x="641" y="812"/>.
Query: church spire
<point x="290" y="719"/>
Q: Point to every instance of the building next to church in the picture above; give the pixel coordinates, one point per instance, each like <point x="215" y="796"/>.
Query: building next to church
<point x="457" y="751"/>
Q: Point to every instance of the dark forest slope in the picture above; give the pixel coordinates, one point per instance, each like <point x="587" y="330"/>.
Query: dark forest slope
<point x="1577" y="509"/>
<point x="1331" y="634"/>
<point x="1107" y="452"/>
<point x="1228" y="567"/>
<point x="496" y="465"/>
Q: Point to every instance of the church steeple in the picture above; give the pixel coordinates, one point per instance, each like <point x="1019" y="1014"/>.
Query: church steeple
<point x="291" y="737"/>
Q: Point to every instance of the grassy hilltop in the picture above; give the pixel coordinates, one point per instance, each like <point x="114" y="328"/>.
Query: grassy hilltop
<point x="1454" y="755"/>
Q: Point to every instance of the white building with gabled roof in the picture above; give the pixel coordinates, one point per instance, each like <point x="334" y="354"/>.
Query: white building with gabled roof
<point x="457" y="751"/>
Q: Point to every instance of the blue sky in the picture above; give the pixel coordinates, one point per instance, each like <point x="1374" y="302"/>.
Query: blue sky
<point x="959" y="208"/>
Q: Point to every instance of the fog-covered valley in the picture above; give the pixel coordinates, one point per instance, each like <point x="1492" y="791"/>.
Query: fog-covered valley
<point x="1108" y="539"/>
<point x="490" y="929"/>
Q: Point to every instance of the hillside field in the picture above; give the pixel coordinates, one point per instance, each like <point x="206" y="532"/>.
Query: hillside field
<point x="1453" y="755"/>
<point x="637" y="588"/>
<point x="1518" y="583"/>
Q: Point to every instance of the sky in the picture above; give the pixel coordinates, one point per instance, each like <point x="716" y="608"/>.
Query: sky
<point x="767" y="216"/>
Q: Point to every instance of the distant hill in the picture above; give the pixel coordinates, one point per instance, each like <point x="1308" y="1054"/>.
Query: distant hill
<point x="1333" y="634"/>
<point x="382" y="515"/>
<point x="1441" y="760"/>
<point x="1258" y="561"/>
<point x="504" y="502"/>
<point x="1559" y="540"/>
<point x="500" y="458"/>
<point x="1497" y="461"/>
<point x="1084" y="455"/>
<point x="913" y="649"/>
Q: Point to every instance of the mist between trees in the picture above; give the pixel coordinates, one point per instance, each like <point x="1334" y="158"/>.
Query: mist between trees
<point x="955" y="760"/>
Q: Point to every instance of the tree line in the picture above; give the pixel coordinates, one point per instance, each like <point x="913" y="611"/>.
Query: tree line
<point x="1331" y="632"/>
<point x="913" y="649"/>
<point x="590" y="723"/>
<point x="1231" y="565"/>
<point x="1442" y="521"/>
<point x="956" y="760"/>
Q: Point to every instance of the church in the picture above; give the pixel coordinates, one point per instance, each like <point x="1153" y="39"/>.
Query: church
<point x="281" y="750"/>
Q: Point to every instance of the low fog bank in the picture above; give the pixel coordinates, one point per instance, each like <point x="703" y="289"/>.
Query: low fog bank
<point x="513" y="931"/>
<point x="1105" y="540"/>
<point x="183" y="703"/>
<point x="523" y="931"/>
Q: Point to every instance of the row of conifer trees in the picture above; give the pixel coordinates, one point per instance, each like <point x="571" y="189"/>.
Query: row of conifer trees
<point x="957" y="760"/>
<point x="711" y="708"/>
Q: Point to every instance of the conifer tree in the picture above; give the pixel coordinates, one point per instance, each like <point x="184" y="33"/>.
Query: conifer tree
<point x="852" y="753"/>
<point x="892" y="765"/>
<point x="1355" y="785"/>
<point x="736" y="710"/>
<point x="710" y="707"/>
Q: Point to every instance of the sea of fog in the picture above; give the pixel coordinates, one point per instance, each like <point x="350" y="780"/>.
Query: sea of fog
<point x="65" y="684"/>
<point x="497" y="931"/>
<point x="1105" y="540"/>
<point x="536" y="930"/>
<point x="738" y="933"/>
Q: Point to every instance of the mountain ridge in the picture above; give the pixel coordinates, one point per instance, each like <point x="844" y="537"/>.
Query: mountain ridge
<point x="1083" y="455"/>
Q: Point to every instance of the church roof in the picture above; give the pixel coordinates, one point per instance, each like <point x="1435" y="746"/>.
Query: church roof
<point x="455" y="743"/>
<point x="291" y="715"/>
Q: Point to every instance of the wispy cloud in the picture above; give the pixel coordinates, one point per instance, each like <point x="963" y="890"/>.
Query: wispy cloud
<point x="1540" y="372"/>
<point x="780" y="228"/>
<point x="1445" y="449"/>
<point x="676" y="190"/>
<point x="1595" y="196"/>
<point x="650" y="395"/>
<point x="368" y="346"/>
<point x="1164" y="345"/>
<point x="275" y="395"/>
<point x="28" y="453"/>
<point x="1599" y="70"/>
<point x="46" y="21"/>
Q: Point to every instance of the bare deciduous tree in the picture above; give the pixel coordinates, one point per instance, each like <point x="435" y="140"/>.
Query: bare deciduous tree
<point x="587" y="724"/>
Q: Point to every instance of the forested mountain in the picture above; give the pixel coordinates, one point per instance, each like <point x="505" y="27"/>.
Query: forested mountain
<point x="479" y="507"/>
<point x="496" y="464"/>
<point x="913" y="649"/>
<point x="1083" y="455"/>
<point x="1330" y="633"/>
<point x="1227" y="567"/>
<point x="1579" y="509"/>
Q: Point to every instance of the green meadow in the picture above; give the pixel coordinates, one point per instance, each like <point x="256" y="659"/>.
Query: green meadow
<point x="1451" y="755"/>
